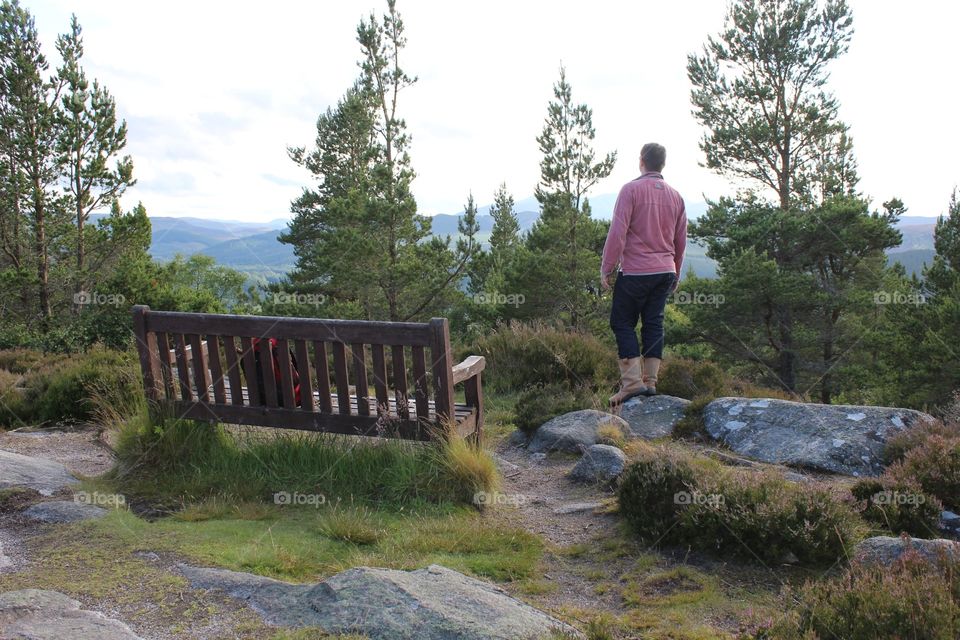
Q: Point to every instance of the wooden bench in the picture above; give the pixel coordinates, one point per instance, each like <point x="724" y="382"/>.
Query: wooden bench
<point x="203" y="366"/>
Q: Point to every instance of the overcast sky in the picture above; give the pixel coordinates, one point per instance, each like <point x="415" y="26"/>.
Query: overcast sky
<point x="214" y="92"/>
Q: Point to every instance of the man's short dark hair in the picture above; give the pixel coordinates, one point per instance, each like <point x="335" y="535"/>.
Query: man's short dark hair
<point x="654" y="156"/>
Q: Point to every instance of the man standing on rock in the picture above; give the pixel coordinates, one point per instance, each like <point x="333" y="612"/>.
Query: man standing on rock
<point x="645" y="244"/>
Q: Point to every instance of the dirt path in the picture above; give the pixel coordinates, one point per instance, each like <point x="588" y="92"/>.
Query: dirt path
<point x="80" y="449"/>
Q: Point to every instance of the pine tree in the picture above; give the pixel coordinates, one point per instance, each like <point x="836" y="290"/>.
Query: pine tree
<point x="90" y="138"/>
<point x="30" y="118"/>
<point x="561" y="262"/>
<point x="357" y="235"/>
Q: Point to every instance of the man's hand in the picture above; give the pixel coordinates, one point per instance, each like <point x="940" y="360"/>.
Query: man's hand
<point x="676" y="284"/>
<point x="605" y="281"/>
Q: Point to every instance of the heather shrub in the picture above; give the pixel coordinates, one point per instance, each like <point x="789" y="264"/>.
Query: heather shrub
<point x="696" y="502"/>
<point x="912" y="599"/>
<point x="901" y="507"/>
<point x="935" y="467"/>
<point x="897" y="447"/>
<point x="541" y="402"/>
<point x="691" y="425"/>
<point x="525" y="355"/>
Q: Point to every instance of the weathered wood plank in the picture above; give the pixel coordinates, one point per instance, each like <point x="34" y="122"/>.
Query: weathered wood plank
<point x="201" y="373"/>
<point x="183" y="373"/>
<point x="420" y="382"/>
<point x="473" y="394"/>
<point x="268" y="373"/>
<point x="306" y="376"/>
<point x="340" y="376"/>
<point x="470" y="367"/>
<point x="400" y="382"/>
<point x="360" y="379"/>
<point x="166" y="365"/>
<point x="147" y="351"/>
<point x="250" y="371"/>
<point x="233" y="370"/>
<point x="322" y="368"/>
<point x="380" y="379"/>
<point x="216" y="369"/>
<point x="346" y="331"/>
<point x="286" y="373"/>
<point x="442" y="368"/>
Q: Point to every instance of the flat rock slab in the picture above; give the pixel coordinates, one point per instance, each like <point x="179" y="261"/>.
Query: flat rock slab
<point x="600" y="463"/>
<point x="5" y="561"/>
<point x="33" y="614"/>
<point x="46" y="476"/>
<point x="845" y="439"/>
<point x="886" y="549"/>
<point x="434" y="603"/>
<point x="575" y="431"/>
<point x="63" y="511"/>
<point x="653" y="417"/>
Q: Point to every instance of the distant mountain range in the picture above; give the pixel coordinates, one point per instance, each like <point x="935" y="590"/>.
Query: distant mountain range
<point x="253" y="248"/>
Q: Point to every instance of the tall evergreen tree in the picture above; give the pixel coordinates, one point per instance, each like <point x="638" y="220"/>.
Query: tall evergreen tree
<point x="561" y="262"/>
<point x="357" y="235"/>
<point x="31" y="117"/>
<point x="90" y="138"/>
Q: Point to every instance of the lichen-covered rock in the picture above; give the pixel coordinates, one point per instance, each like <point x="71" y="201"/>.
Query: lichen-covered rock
<point x="63" y="511"/>
<point x="600" y="463"/>
<point x="654" y="416"/>
<point x="886" y="549"/>
<point x="434" y="603"/>
<point x="34" y="614"/>
<point x="46" y="476"/>
<point x="575" y="431"/>
<point x="845" y="439"/>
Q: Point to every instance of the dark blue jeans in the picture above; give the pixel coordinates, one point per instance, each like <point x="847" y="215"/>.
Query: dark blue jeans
<point x="640" y="298"/>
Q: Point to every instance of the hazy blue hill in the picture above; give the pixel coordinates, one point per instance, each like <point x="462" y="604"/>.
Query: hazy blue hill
<point x="253" y="248"/>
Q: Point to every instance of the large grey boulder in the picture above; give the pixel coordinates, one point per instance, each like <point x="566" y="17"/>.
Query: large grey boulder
<point x="845" y="439"/>
<point x="600" y="463"/>
<point x="884" y="550"/>
<point x="63" y="511"/>
<point x="434" y="603"/>
<point x="573" y="432"/>
<point x="654" y="416"/>
<point x="46" y="476"/>
<point x="33" y="614"/>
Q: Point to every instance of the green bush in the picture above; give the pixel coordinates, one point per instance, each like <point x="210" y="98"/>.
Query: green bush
<point x="901" y="507"/>
<point x="63" y="387"/>
<point x="689" y="501"/>
<point x="649" y="488"/>
<point x="540" y="403"/>
<point x="525" y="355"/>
<point x="691" y="425"/>
<point x="910" y="599"/>
<point x="689" y="379"/>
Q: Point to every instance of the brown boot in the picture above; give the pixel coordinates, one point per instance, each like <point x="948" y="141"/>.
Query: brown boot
<point x="651" y="366"/>
<point x="631" y="383"/>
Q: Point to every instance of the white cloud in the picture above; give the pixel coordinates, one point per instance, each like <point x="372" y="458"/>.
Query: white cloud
<point x="214" y="92"/>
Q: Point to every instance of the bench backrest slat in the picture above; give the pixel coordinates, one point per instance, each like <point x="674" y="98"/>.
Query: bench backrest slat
<point x="322" y="367"/>
<point x="305" y="370"/>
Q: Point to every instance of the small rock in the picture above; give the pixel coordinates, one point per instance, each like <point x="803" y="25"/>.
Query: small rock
<point x="538" y="457"/>
<point x="506" y="467"/>
<point x="653" y="417"/>
<point x="63" y="511"/>
<point x="518" y="439"/>
<point x="33" y="614"/>
<point x="46" y="476"/>
<point x="886" y="549"/>
<point x="149" y="556"/>
<point x="5" y="562"/>
<point x="574" y="430"/>
<point x="577" y="507"/>
<point x="600" y="463"/>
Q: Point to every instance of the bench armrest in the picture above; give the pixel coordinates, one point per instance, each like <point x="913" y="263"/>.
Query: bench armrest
<point x="468" y="368"/>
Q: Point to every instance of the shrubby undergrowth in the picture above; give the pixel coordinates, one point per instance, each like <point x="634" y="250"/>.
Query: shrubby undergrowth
<point x="672" y="497"/>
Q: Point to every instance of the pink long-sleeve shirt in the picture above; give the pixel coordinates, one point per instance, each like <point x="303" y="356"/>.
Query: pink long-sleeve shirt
<point x="649" y="229"/>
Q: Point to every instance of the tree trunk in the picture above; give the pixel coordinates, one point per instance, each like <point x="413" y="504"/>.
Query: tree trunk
<point x="43" y="259"/>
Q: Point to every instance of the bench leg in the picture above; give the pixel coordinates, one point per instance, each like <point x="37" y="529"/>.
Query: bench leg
<point x="473" y="393"/>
